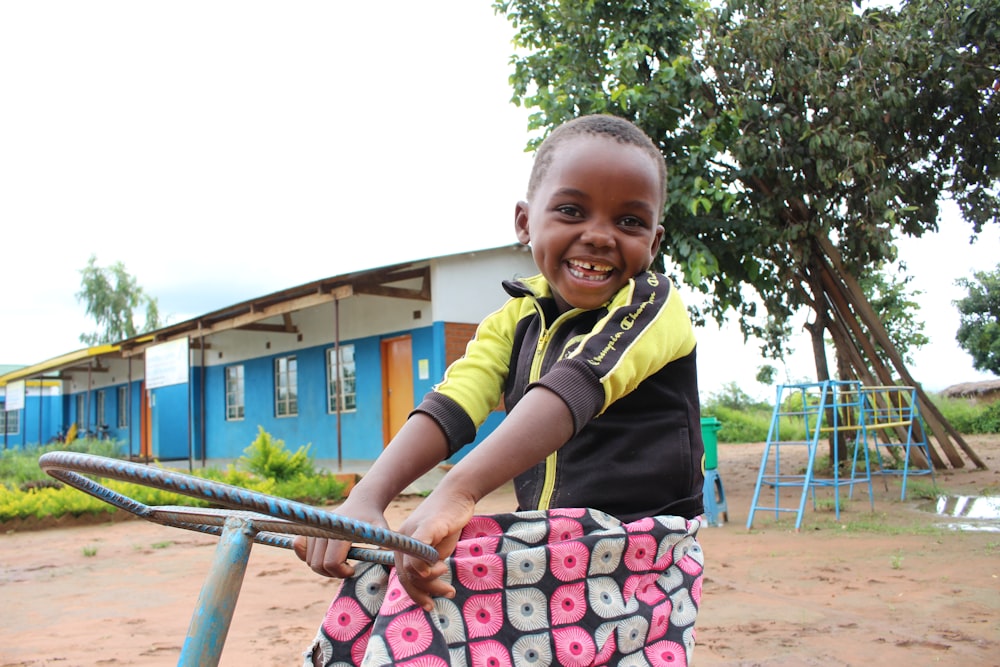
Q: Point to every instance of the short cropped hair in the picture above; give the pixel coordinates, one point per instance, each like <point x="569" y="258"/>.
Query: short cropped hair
<point x="598" y="125"/>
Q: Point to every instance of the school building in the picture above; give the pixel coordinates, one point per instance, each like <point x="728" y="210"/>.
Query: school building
<point x="336" y="363"/>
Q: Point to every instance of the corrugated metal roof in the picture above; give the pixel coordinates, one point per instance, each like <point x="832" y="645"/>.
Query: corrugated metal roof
<point x="59" y="363"/>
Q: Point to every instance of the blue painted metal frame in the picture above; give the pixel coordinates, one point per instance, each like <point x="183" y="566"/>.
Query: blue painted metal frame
<point x="270" y="521"/>
<point x="817" y="399"/>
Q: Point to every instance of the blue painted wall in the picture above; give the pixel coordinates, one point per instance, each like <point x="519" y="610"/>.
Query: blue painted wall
<point x="31" y="423"/>
<point x="314" y="425"/>
<point x="361" y="430"/>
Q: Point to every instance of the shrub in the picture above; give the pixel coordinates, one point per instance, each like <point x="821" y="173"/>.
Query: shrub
<point x="20" y="466"/>
<point x="988" y="420"/>
<point x="740" y="425"/>
<point x="26" y="491"/>
<point x="269" y="457"/>
<point x="969" y="418"/>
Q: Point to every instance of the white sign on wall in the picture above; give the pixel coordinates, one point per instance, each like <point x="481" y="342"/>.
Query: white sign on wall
<point x="167" y="364"/>
<point x="15" y="396"/>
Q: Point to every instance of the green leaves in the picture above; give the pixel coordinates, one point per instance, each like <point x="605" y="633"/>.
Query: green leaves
<point x="113" y="298"/>
<point x="268" y="457"/>
<point x="979" y="313"/>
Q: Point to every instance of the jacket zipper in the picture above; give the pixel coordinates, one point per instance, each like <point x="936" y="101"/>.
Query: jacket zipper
<point x="537" y="364"/>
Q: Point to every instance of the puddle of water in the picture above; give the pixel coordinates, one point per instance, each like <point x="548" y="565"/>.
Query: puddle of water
<point x="981" y="513"/>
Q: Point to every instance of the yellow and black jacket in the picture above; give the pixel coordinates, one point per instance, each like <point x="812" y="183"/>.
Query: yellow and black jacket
<point x="627" y="372"/>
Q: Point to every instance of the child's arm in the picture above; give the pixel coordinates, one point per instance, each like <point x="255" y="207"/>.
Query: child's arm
<point x="540" y="424"/>
<point x="418" y="447"/>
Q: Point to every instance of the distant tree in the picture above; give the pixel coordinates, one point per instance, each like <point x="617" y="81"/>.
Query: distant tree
<point x="113" y="297"/>
<point x="979" y="330"/>
<point x="766" y="374"/>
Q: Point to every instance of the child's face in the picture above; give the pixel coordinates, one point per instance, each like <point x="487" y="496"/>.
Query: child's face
<point x="593" y="220"/>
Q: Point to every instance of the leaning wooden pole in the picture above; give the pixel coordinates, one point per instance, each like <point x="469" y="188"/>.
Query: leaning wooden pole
<point x="853" y="336"/>
<point x="935" y="420"/>
<point x="844" y="284"/>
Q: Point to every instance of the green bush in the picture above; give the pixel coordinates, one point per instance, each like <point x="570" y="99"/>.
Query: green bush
<point x="26" y="491"/>
<point x="989" y="419"/>
<point x="269" y="457"/>
<point x="740" y="425"/>
<point x="318" y="489"/>
<point x="20" y="466"/>
<point x="968" y="418"/>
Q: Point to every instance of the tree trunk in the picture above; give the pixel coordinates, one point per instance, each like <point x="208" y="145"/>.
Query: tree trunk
<point x="853" y="293"/>
<point x="816" y="330"/>
<point x="848" y="335"/>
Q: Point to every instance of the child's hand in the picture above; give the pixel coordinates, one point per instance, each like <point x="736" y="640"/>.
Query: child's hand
<point x="438" y="521"/>
<point x="329" y="556"/>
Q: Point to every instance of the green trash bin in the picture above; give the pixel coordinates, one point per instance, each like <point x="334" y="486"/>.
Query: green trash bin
<point x="710" y="435"/>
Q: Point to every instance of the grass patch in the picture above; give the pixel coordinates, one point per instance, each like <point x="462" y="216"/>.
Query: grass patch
<point x="918" y="489"/>
<point x="829" y="505"/>
<point x="877" y="523"/>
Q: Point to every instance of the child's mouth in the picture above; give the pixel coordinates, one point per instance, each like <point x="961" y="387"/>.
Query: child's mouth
<point x="589" y="270"/>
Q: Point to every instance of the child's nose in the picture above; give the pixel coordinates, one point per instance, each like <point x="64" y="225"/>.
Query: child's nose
<point x="599" y="233"/>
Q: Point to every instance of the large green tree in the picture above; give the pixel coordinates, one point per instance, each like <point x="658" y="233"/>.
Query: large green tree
<point x="114" y="299"/>
<point x="802" y="137"/>
<point x="979" y="326"/>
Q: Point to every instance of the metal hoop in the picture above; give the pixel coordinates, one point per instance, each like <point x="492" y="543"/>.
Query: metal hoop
<point x="273" y="519"/>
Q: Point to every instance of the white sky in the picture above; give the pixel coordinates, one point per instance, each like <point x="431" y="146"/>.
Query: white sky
<point x="226" y="149"/>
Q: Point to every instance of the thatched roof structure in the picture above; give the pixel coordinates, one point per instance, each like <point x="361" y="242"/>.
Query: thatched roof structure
<point x="985" y="389"/>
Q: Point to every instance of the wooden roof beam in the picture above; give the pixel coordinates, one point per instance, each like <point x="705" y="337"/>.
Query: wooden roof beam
<point x="244" y="320"/>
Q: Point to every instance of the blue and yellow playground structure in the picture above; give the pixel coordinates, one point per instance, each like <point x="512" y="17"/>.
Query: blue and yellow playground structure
<point x="883" y="423"/>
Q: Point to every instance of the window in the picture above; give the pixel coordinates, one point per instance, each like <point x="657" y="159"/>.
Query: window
<point x="122" y="407"/>
<point x="234" y="393"/>
<point x="286" y="387"/>
<point x="10" y="421"/>
<point x="346" y="387"/>
<point x="81" y="412"/>
<point x="101" y="421"/>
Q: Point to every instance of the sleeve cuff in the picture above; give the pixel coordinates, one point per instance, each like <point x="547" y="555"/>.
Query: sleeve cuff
<point x="577" y="385"/>
<point x="458" y="427"/>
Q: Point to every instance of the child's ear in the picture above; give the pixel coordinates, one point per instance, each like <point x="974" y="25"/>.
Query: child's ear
<point x="657" y="239"/>
<point x="521" y="222"/>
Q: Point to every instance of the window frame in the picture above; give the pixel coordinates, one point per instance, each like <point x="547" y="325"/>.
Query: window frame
<point x="235" y="408"/>
<point x="81" y="411"/>
<point x="122" y="421"/>
<point x="8" y="420"/>
<point x="335" y="385"/>
<point x="101" y="404"/>
<point x="286" y="387"/>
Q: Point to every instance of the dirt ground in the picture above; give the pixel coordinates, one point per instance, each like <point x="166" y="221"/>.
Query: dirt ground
<point x="896" y="593"/>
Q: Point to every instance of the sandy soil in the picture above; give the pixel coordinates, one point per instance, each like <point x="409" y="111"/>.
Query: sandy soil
<point x="898" y="593"/>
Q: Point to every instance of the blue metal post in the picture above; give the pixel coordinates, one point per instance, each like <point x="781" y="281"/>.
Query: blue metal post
<point x="217" y="601"/>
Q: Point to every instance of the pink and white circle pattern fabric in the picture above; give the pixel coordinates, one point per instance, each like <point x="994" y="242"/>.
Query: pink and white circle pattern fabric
<point x="564" y="587"/>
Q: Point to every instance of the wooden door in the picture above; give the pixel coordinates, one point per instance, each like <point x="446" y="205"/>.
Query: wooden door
<point x="145" y="423"/>
<point x="397" y="385"/>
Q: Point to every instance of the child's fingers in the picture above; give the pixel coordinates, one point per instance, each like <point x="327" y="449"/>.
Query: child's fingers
<point x="299" y="546"/>
<point x="324" y="556"/>
<point x="422" y="581"/>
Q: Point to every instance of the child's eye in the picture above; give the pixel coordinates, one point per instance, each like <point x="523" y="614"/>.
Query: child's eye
<point x="632" y="222"/>
<point x="570" y="211"/>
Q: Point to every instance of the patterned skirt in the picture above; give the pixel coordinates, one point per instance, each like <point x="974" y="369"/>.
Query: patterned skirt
<point x="561" y="587"/>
